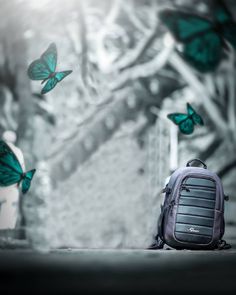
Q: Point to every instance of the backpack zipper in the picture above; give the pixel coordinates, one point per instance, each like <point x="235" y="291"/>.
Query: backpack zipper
<point x="171" y="206"/>
<point x="197" y="187"/>
<point x="188" y="187"/>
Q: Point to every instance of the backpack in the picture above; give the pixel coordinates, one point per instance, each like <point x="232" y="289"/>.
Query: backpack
<point x="192" y="216"/>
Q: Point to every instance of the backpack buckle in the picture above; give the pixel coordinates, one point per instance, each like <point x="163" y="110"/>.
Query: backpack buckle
<point x="226" y="197"/>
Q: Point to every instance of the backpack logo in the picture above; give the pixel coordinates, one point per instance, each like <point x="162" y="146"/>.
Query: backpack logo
<point x="193" y="230"/>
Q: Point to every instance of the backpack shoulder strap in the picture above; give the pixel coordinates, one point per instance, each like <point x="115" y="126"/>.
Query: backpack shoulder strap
<point x="157" y="245"/>
<point x="222" y="245"/>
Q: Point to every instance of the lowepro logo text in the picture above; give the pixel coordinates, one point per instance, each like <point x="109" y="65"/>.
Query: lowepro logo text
<point x="193" y="230"/>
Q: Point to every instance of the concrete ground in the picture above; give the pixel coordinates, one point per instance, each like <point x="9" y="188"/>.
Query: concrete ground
<point x="119" y="271"/>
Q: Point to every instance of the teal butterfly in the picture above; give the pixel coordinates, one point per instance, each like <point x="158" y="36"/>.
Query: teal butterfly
<point x="44" y="69"/>
<point x="187" y="121"/>
<point x="11" y="171"/>
<point x="203" y="39"/>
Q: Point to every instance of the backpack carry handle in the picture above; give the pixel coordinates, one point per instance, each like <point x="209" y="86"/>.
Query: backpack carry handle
<point x="196" y="160"/>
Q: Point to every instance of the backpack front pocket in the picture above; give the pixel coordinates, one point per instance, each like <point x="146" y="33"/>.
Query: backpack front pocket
<point x="196" y="211"/>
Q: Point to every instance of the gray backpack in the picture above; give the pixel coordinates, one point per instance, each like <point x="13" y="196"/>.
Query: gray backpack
<point x="192" y="216"/>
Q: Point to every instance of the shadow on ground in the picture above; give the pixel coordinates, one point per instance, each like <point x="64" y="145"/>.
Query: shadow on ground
<point x="118" y="271"/>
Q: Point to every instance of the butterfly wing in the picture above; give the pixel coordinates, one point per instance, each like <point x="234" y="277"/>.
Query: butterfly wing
<point x="27" y="180"/>
<point x="203" y="52"/>
<point x="224" y="18"/>
<point x="177" y="118"/>
<point x="51" y="83"/>
<point x="8" y="176"/>
<point x="187" y="126"/>
<point x="184" y="26"/>
<point x="220" y="12"/>
<point x="38" y="70"/>
<point x="49" y="57"/>
<point x="10" y="168"/>
<point x="202" y="45"/>
<point x="43" y="67"/>
<point x="190" y="109"/>
<point x="61" y="75"/>
<point x="197" y="119"/>
<point x="184" y="122"/>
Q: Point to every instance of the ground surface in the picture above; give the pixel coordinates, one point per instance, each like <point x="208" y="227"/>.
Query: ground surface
<point x="119" y="271"/>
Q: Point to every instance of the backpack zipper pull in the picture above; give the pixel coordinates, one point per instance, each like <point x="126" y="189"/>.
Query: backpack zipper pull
<point x="184" y="187"/>
<point x="166" y="190"/>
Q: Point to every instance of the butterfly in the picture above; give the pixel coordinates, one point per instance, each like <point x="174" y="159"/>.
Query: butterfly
<point x="44" y="69"/>
<point x="11" y="171"/>
<point x="187" y="121"/>
<point x="203" y="39"/>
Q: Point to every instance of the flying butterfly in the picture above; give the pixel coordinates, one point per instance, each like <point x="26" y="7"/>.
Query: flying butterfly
<point x="11" y="171"/>
<point x="187" y="121"/>
<point x="44" y="69"/>
<point x="203" y="39"/>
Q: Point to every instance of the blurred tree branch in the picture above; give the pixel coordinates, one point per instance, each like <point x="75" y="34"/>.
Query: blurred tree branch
<point x="132" y="57"/>
<point x="7" y="118"/>
<point x="213" y="146"/>
<point x="231" y="93"/>
<point x="125" y="106"/>
<point x="226" y="169"/>
<point x="130" y="10"/>
<point x="83" y="41"/>
<point x="144" y="70"/>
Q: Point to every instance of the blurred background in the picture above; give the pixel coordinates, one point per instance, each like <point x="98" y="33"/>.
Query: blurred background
<point x="100" y="141"/>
